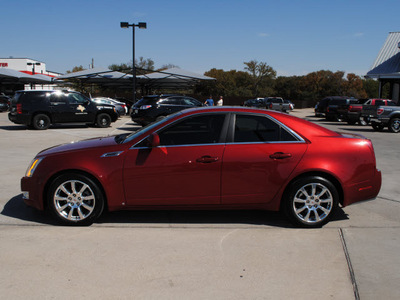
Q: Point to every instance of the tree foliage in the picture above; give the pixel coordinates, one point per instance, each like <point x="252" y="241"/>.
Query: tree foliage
<point x="258" y="79"/>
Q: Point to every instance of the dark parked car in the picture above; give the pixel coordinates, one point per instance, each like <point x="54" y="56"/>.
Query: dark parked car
<point x="155" y="107"/>
<point x="39" y="109"/>
<point x="254" y="103"/>
<point x="207" y="158"/>
<point x="4" y="103"/>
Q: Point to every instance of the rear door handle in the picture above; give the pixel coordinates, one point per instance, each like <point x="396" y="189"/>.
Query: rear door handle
<point x="280" y="155"/>
<point x="206" y="159"/>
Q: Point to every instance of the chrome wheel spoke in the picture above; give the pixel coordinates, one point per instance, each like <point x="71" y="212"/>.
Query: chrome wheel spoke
<point x="87" y="207"/>
<point x="298" y="211"/>
<point x="74" y="200"/>
<point x="84" y="187"/>
<point x="312" y="202"/>
<point x="62" y="208"/>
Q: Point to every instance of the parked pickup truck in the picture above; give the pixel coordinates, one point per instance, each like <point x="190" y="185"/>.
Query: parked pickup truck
<point x="277" y="103"/>
<point x="351" y="113"/>
<point x="383" y="116"/>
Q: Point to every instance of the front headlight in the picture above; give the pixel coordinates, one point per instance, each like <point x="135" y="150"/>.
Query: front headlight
<point x="33" y="167"/>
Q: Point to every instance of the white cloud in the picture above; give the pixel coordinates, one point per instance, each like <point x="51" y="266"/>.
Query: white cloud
<point x="263" y="34"/>
<point x="359" y="34"/>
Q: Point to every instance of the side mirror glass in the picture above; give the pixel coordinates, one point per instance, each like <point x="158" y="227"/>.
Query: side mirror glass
<point x="153" y="140"/>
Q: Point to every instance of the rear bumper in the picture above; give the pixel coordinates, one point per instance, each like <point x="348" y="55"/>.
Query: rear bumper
<point x="362" y="191"/>
<point x="19" y="118"/>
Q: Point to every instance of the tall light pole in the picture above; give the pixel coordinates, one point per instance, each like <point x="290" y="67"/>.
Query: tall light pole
<point x="141" y="25"/>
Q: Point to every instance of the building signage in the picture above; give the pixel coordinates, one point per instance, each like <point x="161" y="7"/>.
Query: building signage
<point x="3" y="64"/>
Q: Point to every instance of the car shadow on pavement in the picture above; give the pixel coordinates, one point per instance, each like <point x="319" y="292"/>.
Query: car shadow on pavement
<point x="16" y="208"/>
<point x="14" y="127"/>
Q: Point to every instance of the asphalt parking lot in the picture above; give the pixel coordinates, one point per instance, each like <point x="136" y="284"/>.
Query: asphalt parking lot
<point x="195" y="254"/>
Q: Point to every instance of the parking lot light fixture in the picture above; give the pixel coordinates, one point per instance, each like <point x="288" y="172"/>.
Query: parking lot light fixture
<point x="141" y="25"/>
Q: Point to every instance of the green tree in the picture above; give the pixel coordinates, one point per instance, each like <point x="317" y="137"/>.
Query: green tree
<point x="262" y="77"/>
<point x="143" y="66"/>
<point x="76" y="69"/>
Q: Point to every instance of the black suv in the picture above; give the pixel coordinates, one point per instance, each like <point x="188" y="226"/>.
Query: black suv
<point x="322" y="108"/>
<point x="39" y="109"/>
<point x="154" y="107"/>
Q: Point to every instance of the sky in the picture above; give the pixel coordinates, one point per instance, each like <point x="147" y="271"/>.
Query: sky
<point x="293" y="37"/>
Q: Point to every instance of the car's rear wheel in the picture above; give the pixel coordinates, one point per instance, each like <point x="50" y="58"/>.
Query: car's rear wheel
<point x="75" y="199"/>
<point x="378" y="126"/>
<point x="103" y="120"/>
<point x="311" y="201"/>
<point x="41" y="122"/>
<point x="394" y="125"/>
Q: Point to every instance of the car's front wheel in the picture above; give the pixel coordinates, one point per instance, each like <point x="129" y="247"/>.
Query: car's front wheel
<point x="311" y="201"/>
<point x="75" y="199"/>
<point x="394" y="125"/>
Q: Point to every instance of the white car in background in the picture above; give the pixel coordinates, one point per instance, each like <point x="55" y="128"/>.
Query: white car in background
<point x="119" y="106"/>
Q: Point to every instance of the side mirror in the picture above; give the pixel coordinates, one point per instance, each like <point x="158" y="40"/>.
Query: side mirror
<point x="153" y="140"/>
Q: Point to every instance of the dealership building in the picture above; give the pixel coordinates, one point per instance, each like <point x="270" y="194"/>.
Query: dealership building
<point x="27" y="66"/>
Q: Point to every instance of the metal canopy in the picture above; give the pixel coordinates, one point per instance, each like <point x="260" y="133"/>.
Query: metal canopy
<point x="100" y="76"/>
<point x="13" y="76"/>
<point x="168" y="79"/>
<point x="171" y="79"/>
<point x="387" y="63"/>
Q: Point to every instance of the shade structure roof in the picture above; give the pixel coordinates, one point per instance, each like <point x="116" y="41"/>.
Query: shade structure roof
<point x="171" y="78"/>
<point x="101" y="76"/>
<point x="13" y="76"/>
<point x="387" y="63"/>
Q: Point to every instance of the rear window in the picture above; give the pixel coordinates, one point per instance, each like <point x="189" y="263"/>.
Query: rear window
<point x="31" y="97"/>
<point x="148" y="101"/>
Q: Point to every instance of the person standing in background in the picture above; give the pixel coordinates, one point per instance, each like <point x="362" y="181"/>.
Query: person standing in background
<point x="209" y="101"/>
<point x="220" y="102"/>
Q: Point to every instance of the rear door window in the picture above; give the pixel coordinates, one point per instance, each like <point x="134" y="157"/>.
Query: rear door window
<point x="253" y="129"/>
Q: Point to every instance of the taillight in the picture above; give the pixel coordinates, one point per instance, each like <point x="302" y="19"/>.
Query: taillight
<point x="19" y="108"/>
<point x="270" y="106"/>
<point x="145" y="106"/>
<point x="380" y="111"/>
<point x="350" y="108"/>
<point x="327" y="109"/>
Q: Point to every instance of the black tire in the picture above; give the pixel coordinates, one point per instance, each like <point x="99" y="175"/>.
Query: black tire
<point x="310" y="202"/>
<point x="41" y="122"/>
<point x="75" y="199"/>
<point x="103" y="120"/>
<point x="394" y="125"/>
<point x="378" y="126"/>
<point x="351" y="122"/>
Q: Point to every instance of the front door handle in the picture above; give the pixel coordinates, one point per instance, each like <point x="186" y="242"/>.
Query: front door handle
<point x="280" y="155"/>
<point x="207" y="159"/>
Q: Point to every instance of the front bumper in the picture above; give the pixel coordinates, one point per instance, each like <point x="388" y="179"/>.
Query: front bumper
<point x="31" y="192"/>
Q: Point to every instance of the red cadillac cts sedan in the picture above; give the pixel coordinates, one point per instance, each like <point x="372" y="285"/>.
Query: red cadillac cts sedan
<point x="207" y="158"/>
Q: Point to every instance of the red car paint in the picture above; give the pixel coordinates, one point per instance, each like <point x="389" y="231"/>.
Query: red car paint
<point x="221" y="175"/>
